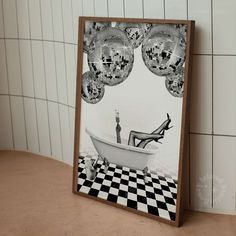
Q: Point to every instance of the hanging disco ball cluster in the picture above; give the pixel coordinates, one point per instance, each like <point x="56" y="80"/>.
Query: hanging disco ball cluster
<point x="110" y="51"/>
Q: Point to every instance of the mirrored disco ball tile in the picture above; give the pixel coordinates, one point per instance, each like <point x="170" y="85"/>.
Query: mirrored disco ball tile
<point x="163" y="50"/>
<point x="111" y="56"/>
<point x="136" y="32"/>
<point x="90" y="30"/>
<point x="175" y="83"/>
<point x="92" y="90"/>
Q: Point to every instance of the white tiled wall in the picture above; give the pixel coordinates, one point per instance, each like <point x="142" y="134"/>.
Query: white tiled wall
<point x="200" y="11"/>
<point x="201" y="171"/>
<point x="224" y="173"/>
<point x="18" y="123"/>
<point x="54" y="123"/>
<point x="37" y="83"/>
<point x="116" y="8"/>
<point x="57" y="20"/>
<point x="3" y="69"/>
<point x="133" y="8"/>
<point x="1" y="21"/>
<point x="61" y="73"/>
<point x="101" y="8"/>
<point x="43" y="127"/>
<point x="175" y="9"/>
<point x="201" y="96"/>
<point x="88" y="7"/>
<point x="9" y="18"/>
<point x="224" y="95"/>
<point x="50" y="71"/>
<point x="77" y="10"/>
<point x="31" y="124"/>
<point x="6" y="132"/>
<point x="34" y="7"/>
<point x="26" y="68"/>
<point x="67" y="17"/>
<point x="47" y="22"/>
<point x="224" y="30"/>
<point x="38" y="69"/>
<point x="23" y="18"/>
<point x="154" y="9"/>
<point x="13" y="66"/>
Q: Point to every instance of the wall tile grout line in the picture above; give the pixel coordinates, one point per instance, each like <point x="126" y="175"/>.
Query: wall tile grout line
<point x="189" y="140"/>
<point x="75" y="44"/>
<point x="33" y="76"/>
<point x="94" y="12"/>
<point x="143" y="7"/>
<point x="108" y="8"/>
<point x="53" y="35"/>
<point x="164" y="9"/>
<point x="44" y="40"/>
<point x="36" y="98"/>
<point x="212" y="77"/>
<point x="45" y="76"/>
<point x="63" y="27"/>
<point x="187" y="9"/>
<point x="124" y="8"/>
<point x="8" y="83"/>
<point x="21" y="75"/>
<point x="66" y="75"/>
<point x="73" y="28"/>
<point x="82" y="3"/>
<point x="219" y="135"/>
<point x="107" y="13"/>
<point x="216" y="55"/>
<point x="71" y="125"/>
<point x="57" y="89"/>
<point x="199" y="133"/>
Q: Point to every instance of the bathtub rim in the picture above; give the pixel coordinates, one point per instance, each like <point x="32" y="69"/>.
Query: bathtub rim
<point x="122" y="146"/>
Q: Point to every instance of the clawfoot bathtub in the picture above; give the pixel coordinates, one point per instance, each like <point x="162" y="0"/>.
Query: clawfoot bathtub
<point x="121" y="153"/>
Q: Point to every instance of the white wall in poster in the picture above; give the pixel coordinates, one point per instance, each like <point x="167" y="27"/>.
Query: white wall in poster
<point x="143" y="102"/>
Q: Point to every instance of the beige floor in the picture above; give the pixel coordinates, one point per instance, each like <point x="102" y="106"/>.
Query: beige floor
<point x="36" y="199"/>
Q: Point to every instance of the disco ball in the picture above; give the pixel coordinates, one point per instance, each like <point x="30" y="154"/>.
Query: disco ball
<point x="90" y="30"/>
<point x="163" y="50"/>
<point x="175" y="83"/>
<point x="182" y="28"/>
<point x="135" y="32"/>
<point x="92" y="90"/>
<point x="111" y="56"/>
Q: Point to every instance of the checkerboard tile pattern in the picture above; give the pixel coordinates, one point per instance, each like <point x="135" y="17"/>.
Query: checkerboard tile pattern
<point x="126" y="187"/>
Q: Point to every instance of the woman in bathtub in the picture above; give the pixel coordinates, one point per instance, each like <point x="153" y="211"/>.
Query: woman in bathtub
<point x="146" y="138"/>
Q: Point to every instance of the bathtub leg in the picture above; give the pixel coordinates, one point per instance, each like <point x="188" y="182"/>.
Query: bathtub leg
<point x="90" y="169"/>
<point x="105" y="162"/>
<point x="145" y="172"/>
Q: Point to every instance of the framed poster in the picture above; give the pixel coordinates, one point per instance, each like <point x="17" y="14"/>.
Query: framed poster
<point x="133" y="82"/>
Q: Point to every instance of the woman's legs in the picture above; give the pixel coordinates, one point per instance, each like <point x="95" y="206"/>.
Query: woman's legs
<point x="142" y="136"/>
<point x="147" y="138"/>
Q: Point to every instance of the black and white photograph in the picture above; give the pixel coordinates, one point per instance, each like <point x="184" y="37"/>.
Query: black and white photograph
<point x="118" y="118"/>
<point x="132" y="88"/>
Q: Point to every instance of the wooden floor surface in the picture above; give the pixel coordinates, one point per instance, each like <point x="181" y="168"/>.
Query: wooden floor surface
<point x="36" y="199"/>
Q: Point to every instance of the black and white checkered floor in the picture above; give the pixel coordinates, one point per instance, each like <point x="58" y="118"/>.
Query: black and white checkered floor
<point x="126" y="187"/>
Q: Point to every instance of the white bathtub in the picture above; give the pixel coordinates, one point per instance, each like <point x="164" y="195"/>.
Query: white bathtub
<point x="122" y="154"/>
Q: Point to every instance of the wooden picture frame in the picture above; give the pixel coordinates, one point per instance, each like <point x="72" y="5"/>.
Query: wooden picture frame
<point x="96" y="34"/>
